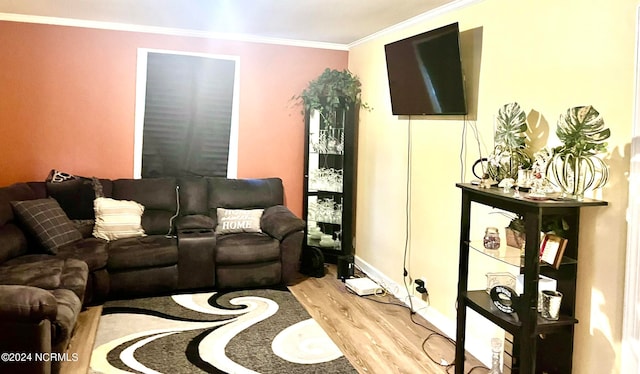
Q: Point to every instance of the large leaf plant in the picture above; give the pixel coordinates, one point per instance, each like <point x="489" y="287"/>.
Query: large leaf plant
<point x="332" y="90"/>
<point x="582" y="132"/>
<point x="575" y="165"/>
<point x="509" y="151"/>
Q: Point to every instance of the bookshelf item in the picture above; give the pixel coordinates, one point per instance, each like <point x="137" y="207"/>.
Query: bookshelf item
<point x="552" y="249"/>
<point x="330" y="181"/>
<point x="535" y="344"/>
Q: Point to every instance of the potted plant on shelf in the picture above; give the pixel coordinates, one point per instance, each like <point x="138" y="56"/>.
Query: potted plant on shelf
<point x="555" y="225"/>
<point x="331" y="91"/>
<point x="515" y="230"/>
<point x="575" y="166"/>
<point x="509" y="153"/>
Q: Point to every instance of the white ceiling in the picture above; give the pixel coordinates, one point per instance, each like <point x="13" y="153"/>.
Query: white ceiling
<point x="330" y="21"/>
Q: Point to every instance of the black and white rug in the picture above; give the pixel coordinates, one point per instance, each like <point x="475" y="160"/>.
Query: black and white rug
<point x="249" y="331"/>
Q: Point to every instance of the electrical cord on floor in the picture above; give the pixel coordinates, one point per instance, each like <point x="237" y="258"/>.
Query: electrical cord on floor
<point x="432" y="332"/>
<point x="445" y="364"/>
<point x="483" y="369"/>
<point x="442" y="362"/>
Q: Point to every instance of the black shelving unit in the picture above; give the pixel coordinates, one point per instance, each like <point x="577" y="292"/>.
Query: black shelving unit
<point x="539" y="345"/>
<point x="331" y="150"/>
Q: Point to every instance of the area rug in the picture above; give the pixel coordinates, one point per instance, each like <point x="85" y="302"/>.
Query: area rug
<point x="250" y="331"/>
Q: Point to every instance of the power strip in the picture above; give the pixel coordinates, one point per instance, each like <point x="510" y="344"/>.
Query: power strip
<point x="362" y="286"/>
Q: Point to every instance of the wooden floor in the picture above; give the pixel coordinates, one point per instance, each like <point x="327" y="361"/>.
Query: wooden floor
<point x="376" y="333"/>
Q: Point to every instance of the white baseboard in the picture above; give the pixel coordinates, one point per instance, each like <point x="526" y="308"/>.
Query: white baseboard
<point x="478" y="346"/>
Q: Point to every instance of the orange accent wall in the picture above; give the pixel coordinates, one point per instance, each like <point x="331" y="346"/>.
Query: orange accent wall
<point x="67" y="101"/>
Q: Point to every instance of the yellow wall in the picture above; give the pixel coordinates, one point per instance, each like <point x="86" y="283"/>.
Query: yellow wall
<point x="547" y="55"/>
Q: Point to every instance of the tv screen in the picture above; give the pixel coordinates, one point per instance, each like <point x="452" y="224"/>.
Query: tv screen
<point x="425" y="73"/>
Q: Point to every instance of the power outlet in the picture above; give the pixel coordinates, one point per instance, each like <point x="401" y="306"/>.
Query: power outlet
<point x="421" y="285"/>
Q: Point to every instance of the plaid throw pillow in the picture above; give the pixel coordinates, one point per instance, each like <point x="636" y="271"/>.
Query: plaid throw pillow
<point x="46" y="220"/>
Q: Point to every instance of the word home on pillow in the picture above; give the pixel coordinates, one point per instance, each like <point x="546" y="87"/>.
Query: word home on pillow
<point x="238" y="220"/>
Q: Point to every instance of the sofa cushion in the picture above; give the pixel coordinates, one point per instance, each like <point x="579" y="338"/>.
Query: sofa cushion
<point x="46" y="272"/>
<point x="47" y="222"/>
<point x="74" y="196"/>
<point x="92" y="251"/>
<point x="153" y="193"/>
<point x="15" y="192"/>
<point x="249" y="275"/>
<point x="144" y="252"/>
<point x="246" y="248"/>
<point x="117" y="219"/>
<point x="244" y="193"/>
<point x="85" y="226"/>
<point x="26" y="304"/>
<point x="193" y="196"/>
<point x="13" y="243"/>
<point x="75" y="275"/>
<point x="195" y="221"/>
<point x="140" y="282"/>
<point x="39" y="272"/>
<point x="238" y="220"/>
<point x="29" y="258"/>
<point x="69" y="307"/>
<point x="159" y="197"/>
<point x="278" y="221"/>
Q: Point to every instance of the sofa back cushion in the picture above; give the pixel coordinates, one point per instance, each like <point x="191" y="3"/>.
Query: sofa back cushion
<point x="243" y="194"/>
<point x="193" y="196"/>
<point x="157" y="195"/>
<point x="15" y="192"/>
<point x="74" y="196"/>
<point x="39" y="189"/>
<point x="13" y="241"/>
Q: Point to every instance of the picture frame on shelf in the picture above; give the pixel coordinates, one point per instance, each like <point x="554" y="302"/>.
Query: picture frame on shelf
<point x="552" y="249"/>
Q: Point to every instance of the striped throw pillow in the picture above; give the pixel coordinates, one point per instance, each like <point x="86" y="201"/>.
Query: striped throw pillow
<point x="117" y="219"/>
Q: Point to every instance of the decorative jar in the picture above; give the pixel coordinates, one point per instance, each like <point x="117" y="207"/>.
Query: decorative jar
<point x="491" y="238"/>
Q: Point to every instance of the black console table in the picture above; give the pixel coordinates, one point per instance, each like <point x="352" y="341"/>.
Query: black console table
<point x="539" y="345"/>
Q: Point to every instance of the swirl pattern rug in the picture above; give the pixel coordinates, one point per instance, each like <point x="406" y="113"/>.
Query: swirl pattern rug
<point x="249" y="331"/>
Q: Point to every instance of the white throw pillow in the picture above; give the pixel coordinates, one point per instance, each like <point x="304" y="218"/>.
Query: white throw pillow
<point x="117" y="219"/>
<point x="238" y="220"/>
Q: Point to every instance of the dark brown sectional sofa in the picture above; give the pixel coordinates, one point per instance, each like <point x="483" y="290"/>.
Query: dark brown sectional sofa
<point x="42" y="291"/>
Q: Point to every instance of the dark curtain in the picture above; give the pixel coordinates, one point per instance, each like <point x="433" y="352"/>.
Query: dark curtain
<point x="187" y="121"/>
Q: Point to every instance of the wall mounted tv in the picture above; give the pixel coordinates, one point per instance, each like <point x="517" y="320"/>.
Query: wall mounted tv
<point x="425" y="73"/>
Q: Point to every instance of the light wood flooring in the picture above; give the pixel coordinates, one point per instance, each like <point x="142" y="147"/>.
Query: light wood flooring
<point x="376" y="333"/>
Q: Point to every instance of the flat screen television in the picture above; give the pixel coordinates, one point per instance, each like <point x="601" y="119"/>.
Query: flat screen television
<point x="425" y="73"/>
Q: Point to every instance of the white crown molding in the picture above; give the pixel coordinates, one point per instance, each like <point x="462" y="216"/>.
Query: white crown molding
<point x="417" y="19"/>
<point x="13" y="17"/>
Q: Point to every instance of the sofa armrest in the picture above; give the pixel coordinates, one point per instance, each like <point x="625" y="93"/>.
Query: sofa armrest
<point x="26" y="304"/>
<point x="278" y="221"/>
<point x="195" y="222"/>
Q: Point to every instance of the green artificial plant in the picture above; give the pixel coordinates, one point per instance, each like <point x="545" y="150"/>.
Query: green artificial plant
<point x="509" y="151"/>
<point x="575" y="165"/>
<point x="331" y="91"/>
